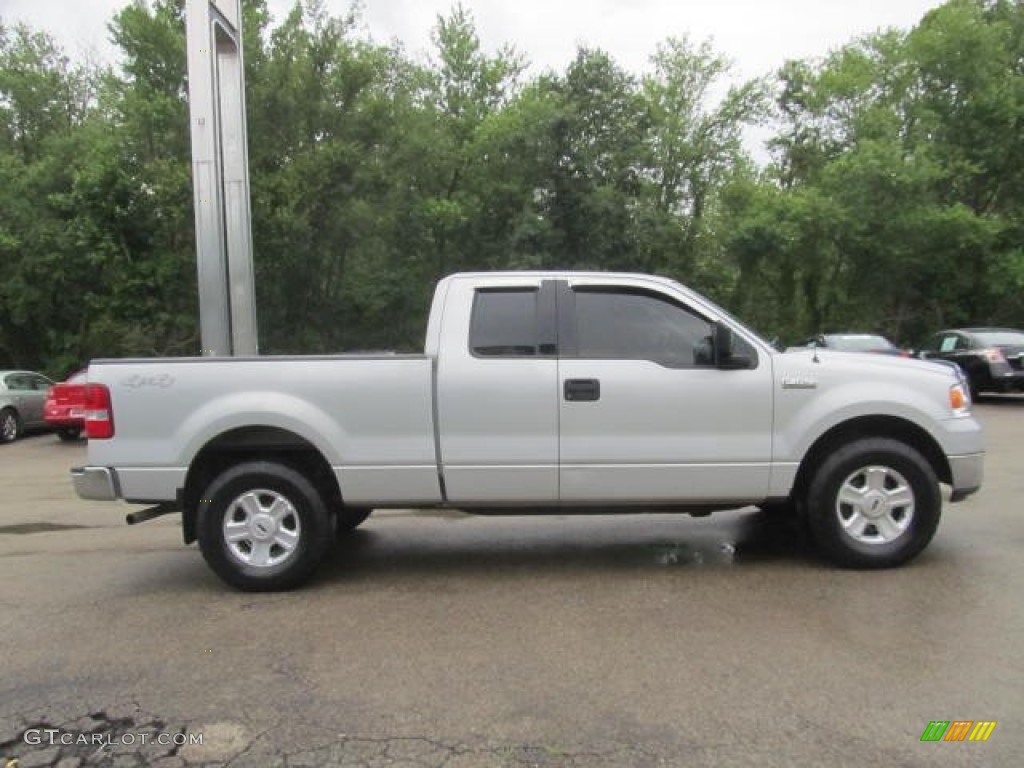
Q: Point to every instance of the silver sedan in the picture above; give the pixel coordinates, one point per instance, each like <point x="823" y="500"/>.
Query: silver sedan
<point x="22" y="395"/>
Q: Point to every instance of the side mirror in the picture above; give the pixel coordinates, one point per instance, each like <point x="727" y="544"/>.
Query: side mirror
<point x="725" y="357"/>
<point x="722" y="335"/>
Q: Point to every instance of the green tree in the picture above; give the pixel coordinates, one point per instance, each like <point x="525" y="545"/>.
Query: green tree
<point x="44" y="103"/>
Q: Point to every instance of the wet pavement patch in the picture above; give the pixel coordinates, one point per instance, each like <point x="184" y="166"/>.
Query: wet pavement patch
<point x="22" y="528"/>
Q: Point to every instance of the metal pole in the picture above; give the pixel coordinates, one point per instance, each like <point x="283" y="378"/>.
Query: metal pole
<point x="220" y="173"/>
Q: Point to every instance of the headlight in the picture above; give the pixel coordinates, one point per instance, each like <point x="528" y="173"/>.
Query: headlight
<point x="959" y="399"/>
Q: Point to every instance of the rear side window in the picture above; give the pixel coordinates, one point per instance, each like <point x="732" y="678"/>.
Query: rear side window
<point x="951" y="343"/>
<point x="17" y="381"/>
<point x="504" y="323"/>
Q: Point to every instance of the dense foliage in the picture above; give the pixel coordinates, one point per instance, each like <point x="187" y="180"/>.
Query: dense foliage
<point x="892" y="199"/>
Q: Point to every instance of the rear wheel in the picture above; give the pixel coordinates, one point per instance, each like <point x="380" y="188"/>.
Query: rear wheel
<point x="67" y="434"/>
<point x="874" y="503"/>
<point x="10" y="425"/>
<point x="263" y="526"/>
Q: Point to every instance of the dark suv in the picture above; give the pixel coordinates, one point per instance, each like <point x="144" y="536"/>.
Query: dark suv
<point x="991" y="358"/>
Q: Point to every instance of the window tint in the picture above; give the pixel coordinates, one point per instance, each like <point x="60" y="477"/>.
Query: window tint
<point x="504" y="323"/>
<point x="1000" y="338"/>
<point x="633" y="325"/>
<point x="17" y="381"/>
<point x="41" y="383"/>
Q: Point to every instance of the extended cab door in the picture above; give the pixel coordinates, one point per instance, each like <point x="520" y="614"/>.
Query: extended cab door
<point x="646" y="416"/>
<point x="497" y="392"/>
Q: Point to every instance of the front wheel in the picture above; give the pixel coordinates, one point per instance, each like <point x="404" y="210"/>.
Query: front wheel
<point x="874" y="503"/>
<point x="263" y="526"/>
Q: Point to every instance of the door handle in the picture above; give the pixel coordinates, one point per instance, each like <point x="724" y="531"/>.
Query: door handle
<point x="581" y="390"/>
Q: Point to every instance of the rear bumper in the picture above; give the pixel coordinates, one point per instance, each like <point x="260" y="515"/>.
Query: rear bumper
<point x="95" y="483"/>
<point x="75" y="423"/>
<point x="968" y="471"/>
<point x="64" y="416"/>
<point x="1011" y="381"/>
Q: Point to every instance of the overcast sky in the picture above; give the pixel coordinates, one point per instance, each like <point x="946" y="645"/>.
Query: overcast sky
<point x="758" y="35"/>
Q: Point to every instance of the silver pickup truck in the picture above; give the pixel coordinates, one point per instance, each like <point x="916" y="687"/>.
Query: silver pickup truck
<point x="539" y="392"/>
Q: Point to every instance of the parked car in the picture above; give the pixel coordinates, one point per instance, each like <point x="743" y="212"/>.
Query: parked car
<point x="856" y="342"/>
<point x="22" y="395"/>
<point x="65" y="406"/>
<point x="992" y="359"/>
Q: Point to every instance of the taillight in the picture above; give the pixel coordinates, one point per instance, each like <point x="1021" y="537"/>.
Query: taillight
<point x="99" y="415"/>
<point x="994" y="355"/>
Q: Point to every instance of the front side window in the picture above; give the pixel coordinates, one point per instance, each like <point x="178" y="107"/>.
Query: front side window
<point x="637" y="325"/>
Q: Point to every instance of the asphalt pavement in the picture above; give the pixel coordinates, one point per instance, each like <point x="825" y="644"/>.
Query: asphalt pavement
<point x="448" y="640"/>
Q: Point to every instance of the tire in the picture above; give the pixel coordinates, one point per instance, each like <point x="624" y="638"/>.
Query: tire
<point x="263" y="526"/>
<point x="10" y="425"/>
<point x="975" y="389"/>
<point x="350" y="518"/>
<point x="67" y="434"/>
<point x="874" y="503"/>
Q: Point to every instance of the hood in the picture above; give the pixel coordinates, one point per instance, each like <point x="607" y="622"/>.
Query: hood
<point x="865" y="364"/>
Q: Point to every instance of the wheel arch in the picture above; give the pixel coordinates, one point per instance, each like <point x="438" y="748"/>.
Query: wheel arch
<point x="254" y="443"/>
<point x="892" y="427"/>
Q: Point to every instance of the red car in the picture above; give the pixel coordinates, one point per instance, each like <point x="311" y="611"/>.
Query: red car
<point x="65" y="406"/>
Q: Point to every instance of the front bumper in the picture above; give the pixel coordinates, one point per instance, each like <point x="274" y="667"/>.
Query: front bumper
<point x="968" y="471"/>
<point x="95" y="483"/>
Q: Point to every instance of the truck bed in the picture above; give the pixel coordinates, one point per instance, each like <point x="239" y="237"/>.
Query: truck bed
<point x="167" y="410"/>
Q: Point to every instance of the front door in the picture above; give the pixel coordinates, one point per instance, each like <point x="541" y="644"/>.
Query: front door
<point x="645" y="415"/>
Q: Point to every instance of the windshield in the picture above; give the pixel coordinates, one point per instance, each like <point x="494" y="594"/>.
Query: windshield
<point x="861" y="342"/>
